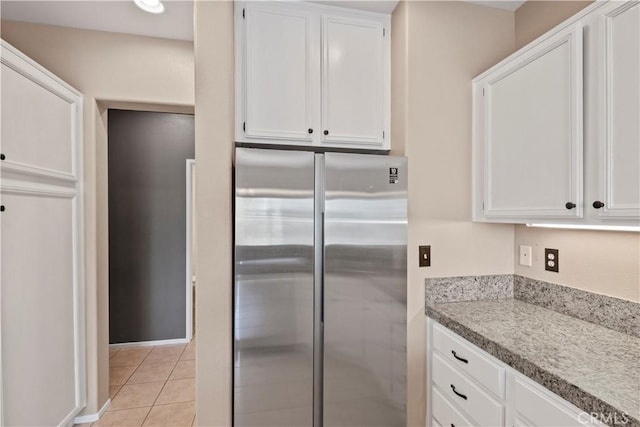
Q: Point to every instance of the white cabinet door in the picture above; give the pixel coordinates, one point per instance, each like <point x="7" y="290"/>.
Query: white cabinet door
<point x="620" y="154"/>
<point x="542" y="408"/>
<point x="532" y="132"/>
<point x="41" y="262"/>
<point x="281" y="63"/>
<point x="39" y="287"/>
<point x="25" y="127"/>
<point x="354" y="82"/>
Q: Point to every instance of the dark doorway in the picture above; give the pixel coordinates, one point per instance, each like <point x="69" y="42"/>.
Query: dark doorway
<point x="147" y="224"/>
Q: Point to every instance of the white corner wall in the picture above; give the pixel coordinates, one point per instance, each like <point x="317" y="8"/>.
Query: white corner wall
<point x="438" y="48"/>
<point x="214" y="155"/>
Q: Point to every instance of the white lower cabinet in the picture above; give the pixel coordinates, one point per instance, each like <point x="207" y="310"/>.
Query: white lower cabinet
<point x="467" y="395"/>
<point x="468" y="387"/>
<point x="445" y="411"/>
<point x="538" y="407"/>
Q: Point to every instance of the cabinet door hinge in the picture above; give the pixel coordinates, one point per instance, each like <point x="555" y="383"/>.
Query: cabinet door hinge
<point x="482" y="91"/>
<point x="483" y="206"/>
<point x="382" y="134"/>
<point x="384" y="32"/>
<point x="244" y="126"/>
<point x="243" y="13"/>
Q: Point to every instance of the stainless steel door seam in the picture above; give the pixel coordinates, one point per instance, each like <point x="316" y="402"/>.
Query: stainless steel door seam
<point x="318" y="320"/>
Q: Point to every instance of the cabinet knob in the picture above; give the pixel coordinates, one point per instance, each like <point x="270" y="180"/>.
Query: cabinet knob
<point x="570" y="205"/>
<point x="2" y="208"/>
<point x="598" y="204"/>
<point x="326" y="132"/>
<point x="310" y="130"/>
<point x="2" y="157"/>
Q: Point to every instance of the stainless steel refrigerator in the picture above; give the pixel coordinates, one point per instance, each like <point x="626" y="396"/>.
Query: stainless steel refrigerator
<point x="320" y="289"/>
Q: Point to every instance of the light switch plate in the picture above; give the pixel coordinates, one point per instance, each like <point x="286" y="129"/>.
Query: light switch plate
<point x="425" y="256"/>
<point x="525" y="255"/>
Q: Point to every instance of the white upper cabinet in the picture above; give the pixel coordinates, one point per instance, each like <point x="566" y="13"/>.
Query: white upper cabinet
<point x="28" y="133"/>
<point x="619" y="166"/>
<point x="312" y="76"/>
<point x="353" y="77"/>
<point x="556" y="125"/>
<point x="280" y="72"/>
<point x="533" y="131"/>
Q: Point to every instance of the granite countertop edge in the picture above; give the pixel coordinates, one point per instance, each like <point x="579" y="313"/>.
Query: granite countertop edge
<point x="563" y="388"/>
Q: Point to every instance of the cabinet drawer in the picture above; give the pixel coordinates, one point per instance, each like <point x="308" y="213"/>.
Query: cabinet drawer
<point x="469" y="360"/>
<point x="543" y="408"/>
<point x="445" y="413"/>
<point x="475" y="402"/>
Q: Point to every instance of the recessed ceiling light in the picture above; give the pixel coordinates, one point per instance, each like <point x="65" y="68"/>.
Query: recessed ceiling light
<point x="151" y="6"/>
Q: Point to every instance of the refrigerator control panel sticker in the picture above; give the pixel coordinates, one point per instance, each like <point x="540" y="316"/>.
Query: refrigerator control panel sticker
<point x="393" y="175"/>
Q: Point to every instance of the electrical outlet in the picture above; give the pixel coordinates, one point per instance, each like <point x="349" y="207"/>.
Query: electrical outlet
<point x="425" y="256"/>
<point x="551" y="260"/>
<point x="525" y="255"/>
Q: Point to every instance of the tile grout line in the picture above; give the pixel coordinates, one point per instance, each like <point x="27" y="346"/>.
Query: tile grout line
<point x="163" y="385"/>
<point x="137" y="367"/>
<point x="132" y="372"/>
<point x="126" y="381"/>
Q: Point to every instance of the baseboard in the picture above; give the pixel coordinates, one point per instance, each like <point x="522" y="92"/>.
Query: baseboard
<point x="150" y="343"/>
<point x="90" y="418"/>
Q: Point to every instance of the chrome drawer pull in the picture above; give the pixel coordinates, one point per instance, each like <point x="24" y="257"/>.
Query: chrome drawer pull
<point x="458" y="394"/>
<point x="458" y="357"/>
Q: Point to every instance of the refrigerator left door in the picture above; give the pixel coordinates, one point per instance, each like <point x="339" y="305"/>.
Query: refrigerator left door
<point x="273" y="288"/>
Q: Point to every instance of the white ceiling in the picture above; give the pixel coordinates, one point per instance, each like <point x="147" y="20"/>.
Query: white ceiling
<point x="123" y="16"/>
<point x="117" y="16"/>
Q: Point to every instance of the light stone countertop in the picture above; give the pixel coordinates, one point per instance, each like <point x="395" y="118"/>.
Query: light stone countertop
<point x="595" y="368"/>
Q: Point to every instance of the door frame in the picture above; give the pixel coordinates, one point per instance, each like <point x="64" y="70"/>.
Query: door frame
<point x="190" y="177"/>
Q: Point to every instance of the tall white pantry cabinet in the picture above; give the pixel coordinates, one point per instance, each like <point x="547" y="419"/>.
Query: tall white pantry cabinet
<point x="312" y="75"/>
<point x="41" y="232"/>
<point x="556" y="126"/>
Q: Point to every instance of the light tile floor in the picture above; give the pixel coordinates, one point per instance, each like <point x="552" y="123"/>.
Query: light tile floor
<point x="151" y="386"/>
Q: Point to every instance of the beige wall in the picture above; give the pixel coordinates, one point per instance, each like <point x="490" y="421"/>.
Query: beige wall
<point x="214" y="153"/>
<point x="597" y="261"/>
<point x="109" y="69"/>
<point x="438" y="47"/>
<point x="535" y="18"/>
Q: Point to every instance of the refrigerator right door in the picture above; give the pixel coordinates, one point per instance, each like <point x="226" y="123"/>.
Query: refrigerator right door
<point x="365" y="290"/>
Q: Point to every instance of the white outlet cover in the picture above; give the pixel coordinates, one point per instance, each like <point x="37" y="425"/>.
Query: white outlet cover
<point x="525" y="255"/>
